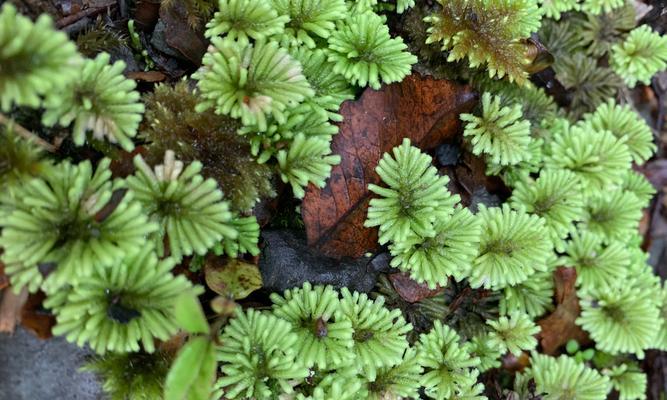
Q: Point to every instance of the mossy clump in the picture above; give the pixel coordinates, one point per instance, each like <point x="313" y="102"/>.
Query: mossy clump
<point x="171" y="123"/>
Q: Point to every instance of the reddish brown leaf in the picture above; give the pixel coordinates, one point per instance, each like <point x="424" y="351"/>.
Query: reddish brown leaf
<point x="410" y="290"/>
<point x="10" y="309"/>
<point x="180" y="36"/>
<point x="147" y="76"/>
<point x="35" y="319"/>
<point x="423" y="109"/>
<point x="559" y="327"/>
<point x="4" y="279"/>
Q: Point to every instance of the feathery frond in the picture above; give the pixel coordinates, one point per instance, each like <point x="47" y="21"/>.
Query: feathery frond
<point x="514" y="245"/>
<point x="500" y="132"/>
<point x="189" y="210"/>
<point x="308" y="160"/>
<point x="640" y="56"/>
<point x="115" y="308"/>
<point x="628" y="380"/>
<point x="310" y="20"/>
<point x="613" y="215"/>
<point x="417" y="195"/>
<point x="100" y="100"/>
<point x="243" y="19"/>
<point x="250" y="81"/>
<point x="365" y="54"/>
<point x="534" y="296"/>
<point x="35" y="58"/>
<point x="514" y="332"/>
<point x="563" y="377"/>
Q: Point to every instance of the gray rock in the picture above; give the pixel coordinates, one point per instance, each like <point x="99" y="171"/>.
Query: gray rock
<point x="448" y="154"/>
<point x="34" y="369"/>
<point x="288" y="262"/>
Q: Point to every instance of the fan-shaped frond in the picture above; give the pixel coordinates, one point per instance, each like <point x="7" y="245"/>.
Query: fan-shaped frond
<point x="628" y="380"/>
<point x="100" y="100"/>
<point x="250" y="81"/>
<point x="310" y="20"/>
<point x="637" y="184"/>
<point x="189" y="209"/>
<point x="563" y="377"/>
<point x="600" y="32"/>
<point x="34" y="58"/>
<point x="534" y="296"/>
<point x="243" y="19"/>
<point x="613" y="215"/>
<point x="402" y="380"/>
<point x="640" y="56"/>
<point x="117" y="307"/>
<point x="514" y="333"/>
<point x="513" y="246"/>
<point x="365" y="54"/>
<point x="500" y="132"/>
<point x="417" y="196"/>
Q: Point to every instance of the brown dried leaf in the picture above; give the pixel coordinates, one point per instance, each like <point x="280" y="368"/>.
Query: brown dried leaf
<point x="35" y="319"/>
<point x="10" y="309"/>
<point x="410" y="290"/>
<point x="423" y="109"/>
<point x="147" y="76"/>
<point x="559" y="327"/>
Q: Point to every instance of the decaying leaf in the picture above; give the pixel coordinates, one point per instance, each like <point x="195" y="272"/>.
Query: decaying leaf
<point x="233" y="278"/>
<point x="10" y="309"/>
<point x="35" y="318"/>
<point x="423" y="109"/>
<point x="410" y="290"/>
<point x="559" y="327"/>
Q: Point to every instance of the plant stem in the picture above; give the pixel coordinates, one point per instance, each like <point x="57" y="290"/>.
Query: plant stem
<point x="26" y="134"/>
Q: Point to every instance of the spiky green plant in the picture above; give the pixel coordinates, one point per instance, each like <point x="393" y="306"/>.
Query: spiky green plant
<point x="597" y="158"/>
<point x="640" y="56"/>
<point x="365" y="54"/>
<point x="449" y="369"/>
<point x="534" y="296"/>
<point x="625" y="124"/>
<point x="513" y="246"/>
<point x="246" y="241"/>
<point x="487" y="33"/>
<point x="500" y="132"/>
<point x="331" y="88"/>
<point x="131" y="376"/>
<point x="600" y="32"/>
<point x="637" y="184"/>
<point x="402" y="380"/>
<point x="116" y="308"/>
<point x="325" y="335"/>
<point x="555" y="196"/>
<point x="308" y="160"/>
<point x="589" y="84"/>
<point x="258" y="356"/>
<point x="20" y="159"/>
<point x="35" y="58"/>
<point x="661" y="340"/>
<point x="628" y="380"/>
<point x="432" y="260"/>
<point x="514" y="333"/>
<point x="555" y="8"/>
<point x="620" y="319"/>
<point x="598" y="265"/>
<point x="250" y="81"/>
<point x="100" y="100"/>
<point x="487" y="350"/>
<point x="189" y="210"/>
<point x="598" y="6"/>
<point x="379" y="334"/>
<point x="62" y="219"/>
<point x="243" y="19"/>
<point x="613" y="215"/>
<point x="416" y="197"/>
<point x="563" y="378"/>
<point x="309" y="20"/>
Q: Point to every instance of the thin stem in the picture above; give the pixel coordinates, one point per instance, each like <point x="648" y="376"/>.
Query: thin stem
<point x="26" y="134"/>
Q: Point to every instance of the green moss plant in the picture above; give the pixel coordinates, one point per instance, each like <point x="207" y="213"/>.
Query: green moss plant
<point x="640" y="56"/>
<point x="35" y="58"/>
<point x="244" y="19"/>
<point x="415" y="198"/>
<point x="188" y="209"/>
<point x="365" y="54"/>
<point x="513" y="246"/>
<point x="116" y="308"/>
<point x="101" y="100"/>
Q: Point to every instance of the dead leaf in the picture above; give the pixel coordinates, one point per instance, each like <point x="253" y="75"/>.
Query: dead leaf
<point x="10" y="309"/>
<point x="234" y="278"/>
<point x="35" y="318"/>
<point x="559" y="327"/>
<point x="179" y="34"/>
<point x="147" y="76"/>
<point x="423" y="109"/>
<point x="4" y="280"/>
<point x="410" y="290"/>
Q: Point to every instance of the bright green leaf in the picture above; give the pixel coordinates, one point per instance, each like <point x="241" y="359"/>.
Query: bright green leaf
<point x="189" y="314"/>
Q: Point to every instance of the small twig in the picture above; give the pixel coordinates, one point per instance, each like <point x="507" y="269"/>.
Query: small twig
<point x="88" y="12"/>
<point x="26" y="134"/>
